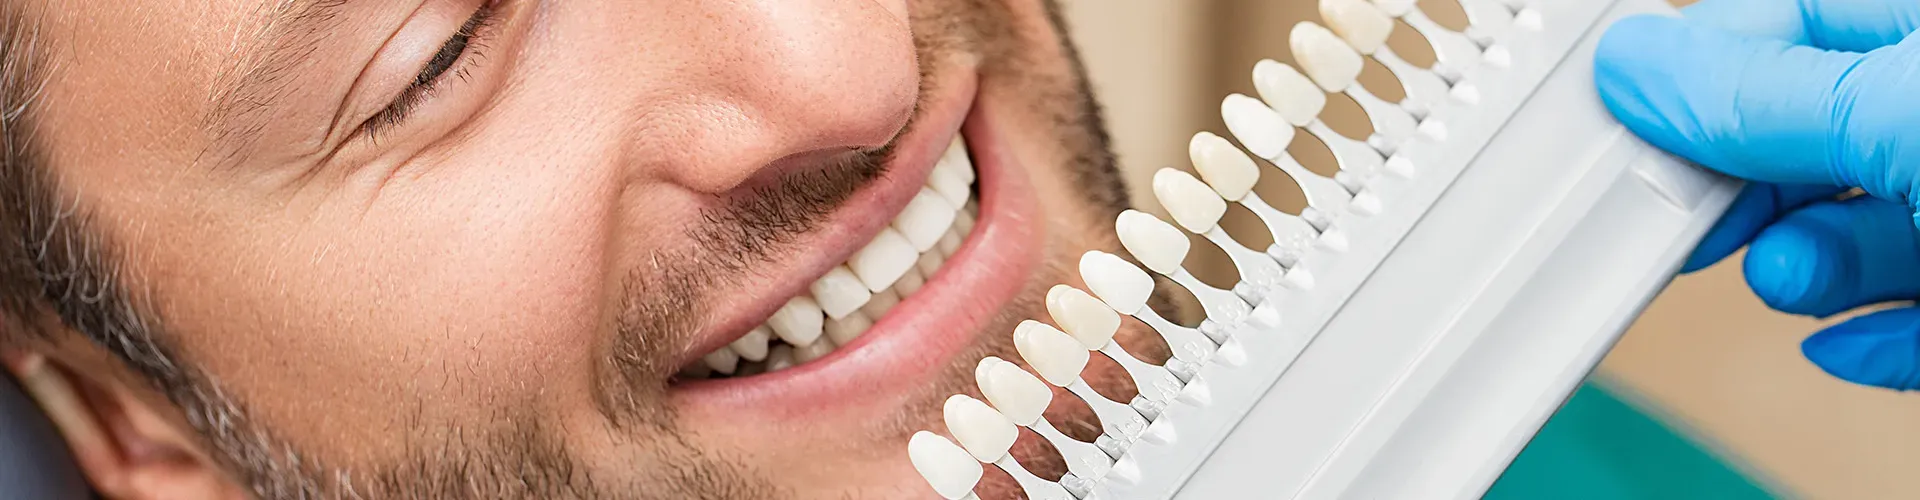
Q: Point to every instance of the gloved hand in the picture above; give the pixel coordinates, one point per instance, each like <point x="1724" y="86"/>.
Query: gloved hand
<point x="1808" y="98"/>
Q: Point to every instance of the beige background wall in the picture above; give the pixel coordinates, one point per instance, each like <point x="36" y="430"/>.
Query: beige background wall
<point x="1707" y="355"/>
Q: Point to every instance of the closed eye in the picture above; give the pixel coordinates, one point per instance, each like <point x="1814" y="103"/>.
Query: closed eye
<point x="453" y="59"/>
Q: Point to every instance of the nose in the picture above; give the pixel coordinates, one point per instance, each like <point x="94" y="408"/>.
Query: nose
<point x="736" y="88"/>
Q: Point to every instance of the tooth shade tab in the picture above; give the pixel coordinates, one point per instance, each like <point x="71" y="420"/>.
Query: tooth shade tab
<point x="1155" y="243"/>
<point x="1230" y="172"/>
<point x="981" y="370"/>
<point x="981" y="430"/>
<point x="1257" y="126"/>
<point x="1122" y="286"/>
<point x="799" y="322"/>
<point x="840" y="293"/>
<point x="1362" y="25"/>
<point x="883" y="260"/>
<point x="1194" y="204"/>
<point x="1019" y="395"/>
<point x="1325" y="57"/>
<point x="1288" y="92"/>
<point x="1085" y="318"/>
<point x="925" y="219"/>
<point x="949" y="469"/>
<point x="1057" y="356"/>
<point x="1396" y="8"/>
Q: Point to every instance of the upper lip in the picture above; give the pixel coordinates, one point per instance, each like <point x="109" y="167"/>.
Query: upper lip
<point x="848" y="229"/>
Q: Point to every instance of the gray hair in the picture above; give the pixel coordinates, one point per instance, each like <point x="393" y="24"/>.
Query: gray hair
<point x="50" y="262"/>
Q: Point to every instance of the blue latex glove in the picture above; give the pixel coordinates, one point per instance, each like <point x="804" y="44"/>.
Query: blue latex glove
<point x="1808" y="98"/>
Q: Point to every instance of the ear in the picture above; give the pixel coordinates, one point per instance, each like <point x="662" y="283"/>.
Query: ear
<point x="126" y="447"/>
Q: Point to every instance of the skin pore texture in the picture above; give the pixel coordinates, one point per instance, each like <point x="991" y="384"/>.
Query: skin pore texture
<point x="235" y="270"/>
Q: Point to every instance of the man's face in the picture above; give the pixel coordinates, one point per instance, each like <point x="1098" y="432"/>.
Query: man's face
<point x="506" y="248"/>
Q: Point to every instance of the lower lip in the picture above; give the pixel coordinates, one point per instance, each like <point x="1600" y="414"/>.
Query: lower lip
<point x="916" y="341"/>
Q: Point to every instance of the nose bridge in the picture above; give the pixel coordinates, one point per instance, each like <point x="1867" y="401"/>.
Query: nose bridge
<point x="761" y="80"/>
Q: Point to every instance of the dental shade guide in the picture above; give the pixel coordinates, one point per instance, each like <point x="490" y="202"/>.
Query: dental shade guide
<point x="1410" y="331"/>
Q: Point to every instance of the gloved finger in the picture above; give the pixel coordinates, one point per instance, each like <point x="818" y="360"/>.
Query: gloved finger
<point x="1758" y="205"/>
<point x="1834" y="256"/>
<point x="1880" y="349"/>
<point x="1759" y="109"/>
<point x="1849" y="25"/>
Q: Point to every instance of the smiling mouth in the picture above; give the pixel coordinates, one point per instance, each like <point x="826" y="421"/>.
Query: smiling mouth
<point x="845" y="302"/>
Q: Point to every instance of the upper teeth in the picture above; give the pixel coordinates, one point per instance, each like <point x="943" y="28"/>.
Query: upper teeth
<point x="842" y="304"/>
<point x="884" y="260"/>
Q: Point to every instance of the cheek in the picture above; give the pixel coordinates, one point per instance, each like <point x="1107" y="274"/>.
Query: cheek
<point x="898" y="8"/>
<point x="454" y="295"/>
<point x="511" y="268"/>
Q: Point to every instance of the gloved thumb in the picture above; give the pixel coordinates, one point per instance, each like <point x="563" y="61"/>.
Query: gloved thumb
<point x="1760" y="108"/>
<point x="1880" y="349"/>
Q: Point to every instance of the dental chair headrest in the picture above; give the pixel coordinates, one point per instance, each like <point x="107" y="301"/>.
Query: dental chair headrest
<point x="34" y="461"/>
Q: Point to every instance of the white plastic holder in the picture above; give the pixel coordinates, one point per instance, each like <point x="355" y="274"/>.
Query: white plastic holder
<point x="1463" y="314"/>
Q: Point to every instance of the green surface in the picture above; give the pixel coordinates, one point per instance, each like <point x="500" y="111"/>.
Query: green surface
<point x="1600" y="447"/>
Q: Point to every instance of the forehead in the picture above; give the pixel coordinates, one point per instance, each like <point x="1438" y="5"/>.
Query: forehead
<point x="166" y="39"/>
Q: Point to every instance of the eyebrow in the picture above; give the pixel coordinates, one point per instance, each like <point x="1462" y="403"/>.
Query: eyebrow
<point x="292" y="32"/>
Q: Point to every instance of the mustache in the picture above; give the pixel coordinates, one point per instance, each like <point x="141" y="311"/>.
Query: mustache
<point x="664" y="299"/>
<point x="747" y="229"/>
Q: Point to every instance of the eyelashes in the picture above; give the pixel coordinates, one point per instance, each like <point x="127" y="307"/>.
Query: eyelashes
<point x="453" y="59"/>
